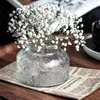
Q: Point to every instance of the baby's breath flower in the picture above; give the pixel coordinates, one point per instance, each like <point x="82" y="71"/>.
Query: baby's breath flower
<point x="18" y="47"/>
<point x="37" y="25"/>
<point x="69" y="43"/>
<point x="65" y="49"/>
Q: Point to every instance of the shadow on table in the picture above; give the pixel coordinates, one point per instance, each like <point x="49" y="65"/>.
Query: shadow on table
<point x="2" y="98"/>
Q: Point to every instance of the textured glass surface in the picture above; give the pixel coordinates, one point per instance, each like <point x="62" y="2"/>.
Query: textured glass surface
<point x="49" y="67"/>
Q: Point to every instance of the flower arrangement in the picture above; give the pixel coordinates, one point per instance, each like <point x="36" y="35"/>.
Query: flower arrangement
<point x="37" y="25"/>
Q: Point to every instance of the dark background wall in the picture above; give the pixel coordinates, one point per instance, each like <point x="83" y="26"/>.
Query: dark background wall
<point x="5" y="9"/>
<point x="89" y="18"/>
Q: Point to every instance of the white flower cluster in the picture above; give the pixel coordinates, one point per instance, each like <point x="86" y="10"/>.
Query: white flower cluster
<point x="38" y="24"/>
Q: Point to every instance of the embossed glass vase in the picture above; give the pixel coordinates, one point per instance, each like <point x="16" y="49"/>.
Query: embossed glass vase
<point x="49" y="67"/>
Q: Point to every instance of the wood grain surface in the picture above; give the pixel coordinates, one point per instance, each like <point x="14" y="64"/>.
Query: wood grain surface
<point x="26" y="2"/>
<point x="14" y="92"/>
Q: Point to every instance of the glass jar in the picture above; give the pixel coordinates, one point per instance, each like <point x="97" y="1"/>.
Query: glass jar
<point x="49" y="67"/>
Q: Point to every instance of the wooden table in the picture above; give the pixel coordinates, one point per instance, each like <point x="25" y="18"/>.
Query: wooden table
<point x="13" y="92"/>
<point x="26" y="2"/>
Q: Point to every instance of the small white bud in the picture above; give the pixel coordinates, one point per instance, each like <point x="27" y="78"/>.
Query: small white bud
<point x="39" y="48"/>
<point x="21" y="41"/>
<point x="11" y="15"/>
<point x="66" y="38"/>
<point x="15" y="42"/>
<point x="42" y="44"/>
<point x="61" y="39"/>
<point x="82" y="25"/>
<point x="18" y="47"/>
<point x="41" y="40"/>
<point x="82" y="37"/>
<point x="26" y="42"/>
<point x="53" y="41"/>
<point x="57" y="42"/>
<point x="24" y="27"/>
<point x="65" y="49"/>
<point x="76" y="41"/>
<point x="69" y="43"/>
<point x="80" y="34"/>
<point x="77" y="47"/>
<point x="23" y="46"/>
<point x="57" y="38"/>
<point x="82" y="45"/>
<point x="67" y="32"/>
<point x="65" y="44"/>
<point x="12" y="19"/>
<point x="9" y="28"/>
<point x="46" y="38"/>
<point x="24" y="37"/>
<point x="30" y="34"/>
<point x="34" y="34"/>
<point x="13" y="11"/>
<point x="56" y="47"/>
<point x="33" y="41"/>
